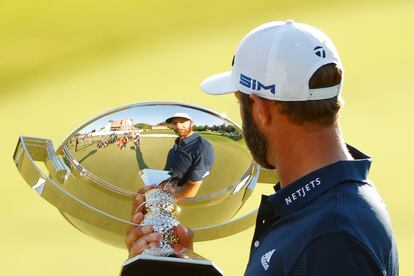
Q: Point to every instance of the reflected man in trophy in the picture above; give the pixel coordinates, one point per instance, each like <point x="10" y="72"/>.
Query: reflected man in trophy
<point x="190" y="159"/>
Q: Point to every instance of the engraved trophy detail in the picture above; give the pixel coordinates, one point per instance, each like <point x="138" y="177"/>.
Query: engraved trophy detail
<point x="160" y="207"/>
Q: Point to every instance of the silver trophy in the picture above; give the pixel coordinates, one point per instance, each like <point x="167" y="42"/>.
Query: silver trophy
<point x="94" y="174"/>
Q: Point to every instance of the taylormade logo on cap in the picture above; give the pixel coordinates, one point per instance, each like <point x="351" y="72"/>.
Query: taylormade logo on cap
<point x="275" y="61"/>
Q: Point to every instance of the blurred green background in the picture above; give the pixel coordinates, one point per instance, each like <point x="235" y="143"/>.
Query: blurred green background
<point x="62" y="62"/>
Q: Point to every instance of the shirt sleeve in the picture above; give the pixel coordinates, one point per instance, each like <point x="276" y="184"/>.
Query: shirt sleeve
<point x="178" y="163"/>
<point x="335" y="254"/>
<point x="203" y="164"/>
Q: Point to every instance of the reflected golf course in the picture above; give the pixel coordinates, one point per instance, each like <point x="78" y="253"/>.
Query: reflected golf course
<point x="121" y="167"/>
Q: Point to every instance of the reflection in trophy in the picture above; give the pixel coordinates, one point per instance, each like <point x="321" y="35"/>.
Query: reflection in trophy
<point x="191" y="157"/>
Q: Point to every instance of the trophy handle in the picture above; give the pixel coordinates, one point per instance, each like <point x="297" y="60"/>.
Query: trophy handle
<point x="30" y="150"/>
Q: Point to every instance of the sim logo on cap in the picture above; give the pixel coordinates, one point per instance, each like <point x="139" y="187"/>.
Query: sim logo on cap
<point x="256" y="85"/>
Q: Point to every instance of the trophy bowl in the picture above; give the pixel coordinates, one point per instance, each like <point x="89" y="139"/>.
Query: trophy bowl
<point x="94" y="174"/>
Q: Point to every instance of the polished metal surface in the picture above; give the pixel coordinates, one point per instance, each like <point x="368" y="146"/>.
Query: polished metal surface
<point x="92" y="177"/>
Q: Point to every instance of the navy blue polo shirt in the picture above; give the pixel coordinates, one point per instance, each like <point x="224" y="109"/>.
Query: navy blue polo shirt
<point x="329" y="222"/>
<point x="191" y="158"/>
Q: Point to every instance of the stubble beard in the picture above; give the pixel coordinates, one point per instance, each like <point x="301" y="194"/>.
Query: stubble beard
<point x="255" y="140"/>
<point x="183" y="133"/>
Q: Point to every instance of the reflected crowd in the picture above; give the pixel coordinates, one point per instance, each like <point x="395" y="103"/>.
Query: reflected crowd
<point x="82" y="141"/>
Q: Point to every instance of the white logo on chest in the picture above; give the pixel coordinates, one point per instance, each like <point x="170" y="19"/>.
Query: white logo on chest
<point x="302" y="192"/>
<point x="265" y="259"/>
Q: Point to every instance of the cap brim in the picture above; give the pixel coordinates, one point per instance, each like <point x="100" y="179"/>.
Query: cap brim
<point x="218" y="84"/>
<point x="170" y="119"/>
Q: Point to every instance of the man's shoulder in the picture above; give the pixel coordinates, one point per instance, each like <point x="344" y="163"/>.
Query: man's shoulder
<point x="350" y="205"/>
<point x="357" y="200"/>
<point x="203" y="143"/>
<point x="356" y="211"/>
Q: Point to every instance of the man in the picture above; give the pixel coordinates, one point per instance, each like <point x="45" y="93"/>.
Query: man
<point x="190" y="159"/>
<point x="326" y="217"/>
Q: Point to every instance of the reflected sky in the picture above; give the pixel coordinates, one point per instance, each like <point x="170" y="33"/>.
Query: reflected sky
<point x="153" y="115"/>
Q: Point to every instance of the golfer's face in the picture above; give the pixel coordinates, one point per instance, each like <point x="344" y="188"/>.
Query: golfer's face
<point x="181" y="126"/>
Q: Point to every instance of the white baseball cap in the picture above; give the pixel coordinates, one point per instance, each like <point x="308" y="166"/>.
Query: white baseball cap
<point x="275" y="61"/>
<point x="178" y="115"/>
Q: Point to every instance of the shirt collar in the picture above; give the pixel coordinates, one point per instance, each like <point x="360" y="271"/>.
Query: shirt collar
<point x="188" y="139"/>
<point x="306" y="189"/>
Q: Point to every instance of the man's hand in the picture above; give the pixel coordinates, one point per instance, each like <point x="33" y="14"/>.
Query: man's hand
<point x="185" y="237"/>
<point x="188" y="190"/>
<point x="139" y="238"/>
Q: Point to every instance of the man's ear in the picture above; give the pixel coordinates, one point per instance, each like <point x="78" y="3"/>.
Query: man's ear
<point x="261" y="110"/>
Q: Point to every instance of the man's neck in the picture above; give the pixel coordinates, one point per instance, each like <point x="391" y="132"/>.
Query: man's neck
<point x="299" y="152"/>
